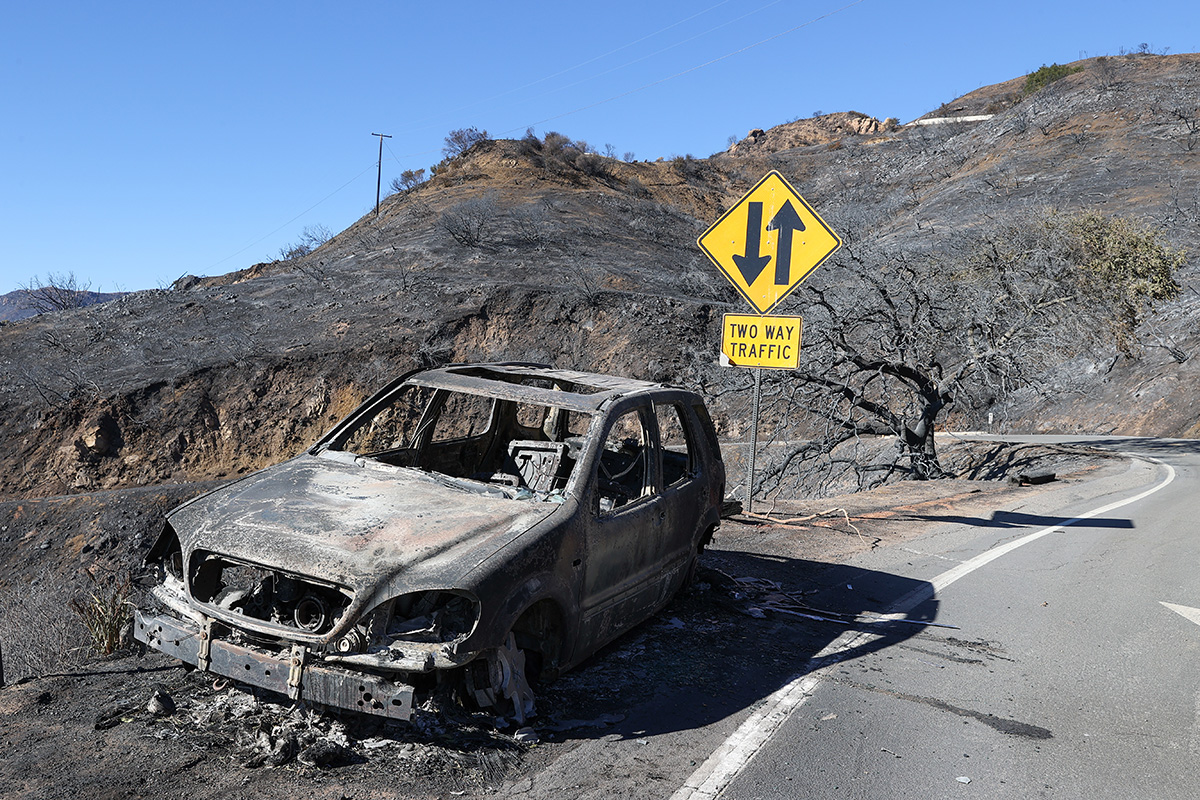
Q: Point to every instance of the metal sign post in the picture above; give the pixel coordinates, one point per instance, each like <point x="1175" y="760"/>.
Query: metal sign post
<point x="771" y="226"/>
<point x="753" y="442"/>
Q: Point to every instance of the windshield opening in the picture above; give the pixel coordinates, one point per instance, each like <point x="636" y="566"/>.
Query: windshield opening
<point x="528" y="448"/>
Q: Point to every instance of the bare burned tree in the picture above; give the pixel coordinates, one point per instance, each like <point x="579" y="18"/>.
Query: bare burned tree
<point x="409" y="179"/>
<point x="312" y="237"/>
<point x="60" y="291"/>
<point x="1189" y="117"/>
<point x="894" y="342"/>
<point x="460" y="140"/>
<point x="470" y="222"/>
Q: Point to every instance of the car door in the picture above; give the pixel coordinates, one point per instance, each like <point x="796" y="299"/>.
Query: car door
<point x="623" y="528"/>
<point x="685" y="491"/>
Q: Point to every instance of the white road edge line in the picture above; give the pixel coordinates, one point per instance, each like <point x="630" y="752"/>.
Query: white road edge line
<point x="727" y="761"/>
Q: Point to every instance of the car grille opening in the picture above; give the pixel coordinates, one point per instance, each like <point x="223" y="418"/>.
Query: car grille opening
<point x="267" y="595"/>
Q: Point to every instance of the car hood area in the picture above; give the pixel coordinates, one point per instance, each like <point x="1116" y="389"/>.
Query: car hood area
<point x="356" y="522"/>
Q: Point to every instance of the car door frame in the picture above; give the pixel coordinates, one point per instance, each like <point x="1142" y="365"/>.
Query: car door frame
<point x="623" y="546"/>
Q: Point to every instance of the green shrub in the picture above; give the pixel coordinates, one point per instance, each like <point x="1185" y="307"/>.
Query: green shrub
<point x="1047" y="75"/>
<point x="105" y="612"/>
<point x="1125" y="262"/>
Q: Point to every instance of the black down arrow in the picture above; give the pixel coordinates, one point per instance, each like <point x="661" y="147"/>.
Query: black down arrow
<point x="753" y="263"/>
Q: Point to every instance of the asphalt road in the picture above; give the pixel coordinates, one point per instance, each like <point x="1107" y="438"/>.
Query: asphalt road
<point x="1067" y="676"/>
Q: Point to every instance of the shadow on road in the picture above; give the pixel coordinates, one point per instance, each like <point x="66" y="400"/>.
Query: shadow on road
<point x="1013" y="519"/>
<point x="1140" y="444"/>
<point x="706" y="657"/>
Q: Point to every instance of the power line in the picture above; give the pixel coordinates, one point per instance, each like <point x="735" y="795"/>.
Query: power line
<point x="605" y="101"/>
<point x="661" y="50"/>
<point x="652" y="84"/>
<point x="289" y="222"/>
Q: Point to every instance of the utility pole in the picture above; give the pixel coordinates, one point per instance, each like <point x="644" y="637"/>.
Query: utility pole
<point x="379" y="173"/>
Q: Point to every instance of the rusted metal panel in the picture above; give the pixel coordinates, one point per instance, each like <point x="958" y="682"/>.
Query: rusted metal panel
<point x="353" y="525"/>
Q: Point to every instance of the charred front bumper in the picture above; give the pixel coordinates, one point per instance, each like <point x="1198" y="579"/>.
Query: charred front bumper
<point x="289" y="672"/>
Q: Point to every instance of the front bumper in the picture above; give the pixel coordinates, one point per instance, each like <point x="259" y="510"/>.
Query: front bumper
<point x="287" y="672"/>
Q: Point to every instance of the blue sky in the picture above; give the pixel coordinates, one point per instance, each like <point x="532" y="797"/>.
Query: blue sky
<point x="143" y="141"/>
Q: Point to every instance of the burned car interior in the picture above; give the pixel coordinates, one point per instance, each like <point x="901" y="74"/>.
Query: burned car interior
<point x="479" y="524"/>
<point x="497" y="440"/>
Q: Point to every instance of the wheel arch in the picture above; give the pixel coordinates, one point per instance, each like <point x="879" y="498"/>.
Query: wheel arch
<point x="541" y="628"/>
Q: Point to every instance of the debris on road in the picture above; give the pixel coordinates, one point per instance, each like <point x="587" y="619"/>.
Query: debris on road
<point x="763" y="597"/>
<point x="525" y="735"/>
<point x="160" y="704"/>
<point x="1031" y="478"/>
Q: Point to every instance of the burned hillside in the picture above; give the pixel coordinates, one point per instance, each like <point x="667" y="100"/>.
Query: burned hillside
<point x="541" y="250"/>
<point x="537" y="249"/>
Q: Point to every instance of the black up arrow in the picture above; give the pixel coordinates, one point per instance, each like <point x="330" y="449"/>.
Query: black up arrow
<point x="785" y="221"/>
<point x="752" y="264"/>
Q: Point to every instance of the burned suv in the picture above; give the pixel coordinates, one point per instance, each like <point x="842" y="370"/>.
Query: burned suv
<point x="482" y="523"/>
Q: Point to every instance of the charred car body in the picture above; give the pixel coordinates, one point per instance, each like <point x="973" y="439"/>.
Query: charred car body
<point x="461" y="521"/>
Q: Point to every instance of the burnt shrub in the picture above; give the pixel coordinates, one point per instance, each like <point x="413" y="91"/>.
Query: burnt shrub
<point x="409" y="178"/>
<point x="689" y="167"/>
<point x="592" y="164"/>
<point x="529" y="144"/>
<point x="636" y="187"/>
<point x="531" y="224"/>
<point x="471" y="222"/>
<point x="554" y="143"/>
<point x="460" y="140"/>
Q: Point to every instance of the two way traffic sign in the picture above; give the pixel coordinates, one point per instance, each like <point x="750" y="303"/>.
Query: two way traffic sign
<point x="751" y="340"/>
<point x="769" y="242"/>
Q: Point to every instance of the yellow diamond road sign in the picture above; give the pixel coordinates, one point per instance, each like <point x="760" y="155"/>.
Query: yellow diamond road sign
<point x="769" y="242"/>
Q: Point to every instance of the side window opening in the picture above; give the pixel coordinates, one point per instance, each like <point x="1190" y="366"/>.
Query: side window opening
<point x="623" y="470"/>
<point x="393" y="429"/>
<point x="677" y="450"/>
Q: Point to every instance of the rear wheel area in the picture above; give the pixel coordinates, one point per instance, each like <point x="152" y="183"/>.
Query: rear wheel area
<point x="693" y="564"/>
